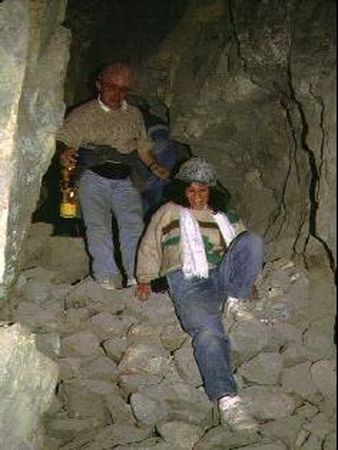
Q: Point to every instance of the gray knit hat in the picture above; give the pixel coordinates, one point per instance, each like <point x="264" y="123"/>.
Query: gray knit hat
<point x="197" y="169"/>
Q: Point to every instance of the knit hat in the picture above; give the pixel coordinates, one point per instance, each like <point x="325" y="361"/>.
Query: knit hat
<point x="199" y="170"/>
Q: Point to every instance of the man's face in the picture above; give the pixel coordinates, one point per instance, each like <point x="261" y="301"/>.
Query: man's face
<point x="113" y="90"/>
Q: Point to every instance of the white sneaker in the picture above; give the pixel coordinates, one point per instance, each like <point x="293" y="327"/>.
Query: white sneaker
<point x="131" y="282"/>
<point x="238" y="308"/>
<point x="236" y="415"/>
<point x="110" y="283"/>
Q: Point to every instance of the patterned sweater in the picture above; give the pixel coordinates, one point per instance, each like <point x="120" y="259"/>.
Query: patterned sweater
<point x="90" y="124"/>
<point x="159" y="252"/>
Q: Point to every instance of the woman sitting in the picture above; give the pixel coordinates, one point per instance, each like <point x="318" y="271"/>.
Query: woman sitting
<point x="207" y="260"/>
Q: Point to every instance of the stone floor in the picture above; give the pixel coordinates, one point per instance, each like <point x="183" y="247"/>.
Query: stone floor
<point x="127" y="377"/>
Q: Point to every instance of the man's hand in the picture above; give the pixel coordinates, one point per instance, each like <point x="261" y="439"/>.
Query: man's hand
<point x="68" y="158"/>
<point x="143" y="291"/>
<point x="160" y="171"/>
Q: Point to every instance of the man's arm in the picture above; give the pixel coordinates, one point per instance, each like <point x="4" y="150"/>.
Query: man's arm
<point x="157" y="169"/>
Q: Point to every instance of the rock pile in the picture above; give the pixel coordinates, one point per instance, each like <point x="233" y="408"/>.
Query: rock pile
<point x="128" y="379"/>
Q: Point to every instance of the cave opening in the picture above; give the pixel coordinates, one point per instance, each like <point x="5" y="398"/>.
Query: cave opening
<point x="248" y="85"/>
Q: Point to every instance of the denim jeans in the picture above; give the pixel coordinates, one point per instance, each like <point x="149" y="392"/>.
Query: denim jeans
<point x="100" y="198"/>
<point x="199" y="304"/>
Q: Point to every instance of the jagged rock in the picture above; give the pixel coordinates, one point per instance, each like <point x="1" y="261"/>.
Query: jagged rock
<point x="319" y="426"/>
<point x="82" y="343"/>
<point x="269" y="402"/>
<point x="255" y="370"/>
<point x="115" y="347"/>
<point x="65" y="428"/>
<point x="318" y="338"/>
<point x="179" y="435"/>
<point x="172" y="336"/>
<point x="101" y="368"/>
<point x="186" y="364"/>
<point x="298" y="380"/>
<point x="307" y="410"/>
<point x="221" y="438"/>
<point x="285" y="429"/>
<point x="105" y="325"/>
<point x="28" y="380"/>
<point x="109" y="437"/>
<point x="83" y="404"/>
<point x="69" y="367"/>
<point x="276" y="445"/>
<point x="36" y="241"/>
<point x="330" y="442"/>
<point x="158" y="309"/>
<point x="34" y="317"/>
<point x="68" y="256"/>
<point x="74" y="320"/>
<point x="144" y="359"/>
<point x="247" y="340"/>
<point x="296" y="354"/>
<point x="171" y="401"/>
<point x="324" y="376"/>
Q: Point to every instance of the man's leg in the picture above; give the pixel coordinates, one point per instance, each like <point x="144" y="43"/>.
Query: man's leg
<point x="95" y="199"/>
<point x="127" y="206"/>
<point x="198" y="306"/>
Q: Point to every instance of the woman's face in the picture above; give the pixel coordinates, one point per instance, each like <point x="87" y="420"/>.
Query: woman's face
<point x="197" y="195"/>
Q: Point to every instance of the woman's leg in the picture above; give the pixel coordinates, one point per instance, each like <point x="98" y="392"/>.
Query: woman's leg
<point x="198" y="306"/>
<point x="241" y="265"/>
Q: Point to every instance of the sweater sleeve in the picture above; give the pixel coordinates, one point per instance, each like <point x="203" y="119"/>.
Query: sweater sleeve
<point x="149" y="256"/>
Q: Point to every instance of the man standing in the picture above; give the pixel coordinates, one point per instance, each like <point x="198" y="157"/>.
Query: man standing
<point x="104" y="133"/>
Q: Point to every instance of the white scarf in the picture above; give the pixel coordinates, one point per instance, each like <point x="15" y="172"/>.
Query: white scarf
<point x="195" y="262"/>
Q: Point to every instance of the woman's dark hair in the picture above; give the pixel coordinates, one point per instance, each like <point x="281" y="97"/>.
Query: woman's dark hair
<point x="219" y="196"/>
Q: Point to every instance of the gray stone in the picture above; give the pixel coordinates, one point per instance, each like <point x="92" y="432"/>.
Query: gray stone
<point x="319" y="426"/>
<point x="174" y="401"/>
<point x="221" y="438"/>
<point x="83" y="404"/>
<point x="265" y="368"/>
<point x="115" y="347"/>
<point x="276" y="445"/>
<point x="172" y="336"/>
<point x="83" y="343"/>
<point x="142" y="360"/>
<point x="247" y="340"/>
<point x="34" y="317"/>
<point x="285" y="429"/>
<point x="109" y="437"/>
<point x="68" y="256"/>
<point x="179" y="435"/>
<point x="324" y="376"/>
<point x="69" y="367"/>
<point x="186" y="365"/>
<point x="27" y="383"/>
<point x="298" y="380"/>
<point x="296" y="354"/>
<point x="101" y="368"/>
<point x="269" y="402"/>
<point x="105" y="325"/>
<point x="67" y="428"/>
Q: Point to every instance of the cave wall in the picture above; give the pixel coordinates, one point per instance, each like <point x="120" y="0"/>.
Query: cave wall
<point x="33" y="58"/>
<point x="105" y="30"/>
<point x="251" y="85"/>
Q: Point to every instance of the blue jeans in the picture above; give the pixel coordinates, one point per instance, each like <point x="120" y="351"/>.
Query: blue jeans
<point x="100" y="198"/>
<point x="199" y="304"/>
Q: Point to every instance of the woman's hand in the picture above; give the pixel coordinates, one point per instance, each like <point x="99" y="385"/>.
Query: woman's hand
<point x="143" y="290"/>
